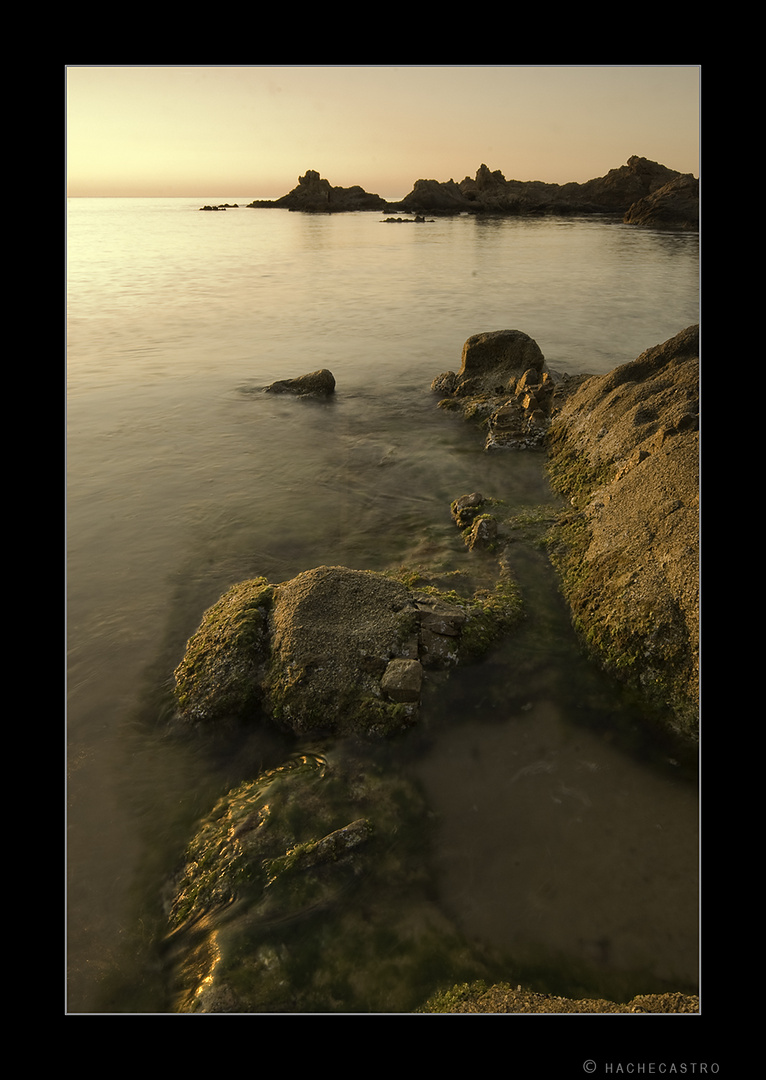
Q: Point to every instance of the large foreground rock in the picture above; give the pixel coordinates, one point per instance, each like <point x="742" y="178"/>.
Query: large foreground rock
<point x="333" y="650"/>
<point x="624" y="451"/>
<point x="304" y="890"/>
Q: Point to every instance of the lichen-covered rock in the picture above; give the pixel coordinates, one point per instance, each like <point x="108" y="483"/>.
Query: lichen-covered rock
<point x="220" y="676"/>
<point x="624" y="451"/>
<point x="333" y="650"/>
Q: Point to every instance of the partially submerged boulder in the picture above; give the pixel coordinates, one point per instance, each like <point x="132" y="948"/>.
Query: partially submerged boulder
<point x="303" y="890"/>
<point x="624" y="451"/>
<point x="333" y="650"/>
<point x="319" y="383"/>
<point x="503" y="381"/>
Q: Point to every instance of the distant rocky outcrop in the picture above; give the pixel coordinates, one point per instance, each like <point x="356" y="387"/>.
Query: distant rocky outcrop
<point x="315" y="195"/>
<point x="676" y="204"/>
<point x="490" y="193"/>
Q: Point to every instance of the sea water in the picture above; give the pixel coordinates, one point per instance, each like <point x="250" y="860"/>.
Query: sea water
<point x="554" y="835"/>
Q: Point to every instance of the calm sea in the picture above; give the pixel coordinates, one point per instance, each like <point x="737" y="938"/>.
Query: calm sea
<point x="182" y="478"/>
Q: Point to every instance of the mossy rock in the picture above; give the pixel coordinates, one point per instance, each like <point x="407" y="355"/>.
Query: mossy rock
<point x="334" y="650"/>
<point x="624" y="451"/>
<point x="222" y="669"/>
<point x="305" y="890"/>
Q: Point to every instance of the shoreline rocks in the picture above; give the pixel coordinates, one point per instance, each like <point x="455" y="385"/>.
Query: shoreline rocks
<point x="348" y="654"/>
<point x="623" y="450"/>
<point x="502" y="998"/>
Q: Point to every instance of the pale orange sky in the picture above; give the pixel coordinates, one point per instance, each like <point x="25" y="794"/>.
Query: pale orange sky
<point x="251" y="131"/>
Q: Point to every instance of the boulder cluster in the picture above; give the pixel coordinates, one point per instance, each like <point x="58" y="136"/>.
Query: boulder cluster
<point x="503" y="381"/>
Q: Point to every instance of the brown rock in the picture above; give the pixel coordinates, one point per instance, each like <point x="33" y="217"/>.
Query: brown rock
<point x="402" y="680"/>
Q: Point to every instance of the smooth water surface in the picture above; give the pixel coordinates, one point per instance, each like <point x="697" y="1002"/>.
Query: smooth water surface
<point x="183" y="478"/>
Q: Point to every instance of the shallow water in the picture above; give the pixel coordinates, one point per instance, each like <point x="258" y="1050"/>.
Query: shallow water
<point x="183" y="479"/>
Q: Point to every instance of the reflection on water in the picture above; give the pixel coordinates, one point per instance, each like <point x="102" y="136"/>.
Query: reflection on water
<point x="183" y="479"/>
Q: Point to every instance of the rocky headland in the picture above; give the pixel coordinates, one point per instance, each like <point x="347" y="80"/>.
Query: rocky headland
<point x="342" y="654"/>
<point x="641" y="192"/>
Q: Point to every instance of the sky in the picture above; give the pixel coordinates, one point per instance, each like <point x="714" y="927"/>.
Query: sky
<point x="251" y="131"/>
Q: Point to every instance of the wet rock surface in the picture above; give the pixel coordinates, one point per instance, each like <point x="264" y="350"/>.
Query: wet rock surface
<point x="503" y="381"/>
<point x="319" y="383"/>
<point x="624" y="450"/>
<point x="304" y="890"/>
<point x="333" y="650"/>
<point x="259" y="911"/>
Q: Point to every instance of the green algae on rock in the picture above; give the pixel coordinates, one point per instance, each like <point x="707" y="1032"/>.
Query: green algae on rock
<point x="502" y="998"/>
<point x="220" y="674"/>
<point x="304" y="890"/>
<point x="624" y="451"/>
<point x="334" y="650"/>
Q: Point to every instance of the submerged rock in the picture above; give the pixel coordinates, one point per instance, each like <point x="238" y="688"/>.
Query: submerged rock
<point x="319" y="383"/>
<point x="304" y="891"/>
<point x="333" y="650"/>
